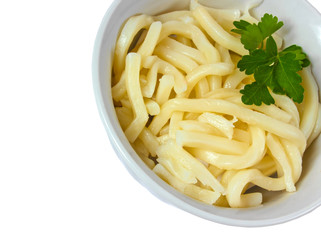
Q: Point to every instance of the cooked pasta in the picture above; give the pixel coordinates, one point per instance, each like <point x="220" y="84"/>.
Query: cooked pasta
<point x="176" y="91"/>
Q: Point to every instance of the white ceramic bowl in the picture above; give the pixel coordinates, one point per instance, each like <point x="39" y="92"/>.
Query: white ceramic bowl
<point x="302" y="27"/>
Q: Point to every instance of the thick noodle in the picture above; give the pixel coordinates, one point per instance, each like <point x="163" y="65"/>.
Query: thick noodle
<point x="176" y="91"/>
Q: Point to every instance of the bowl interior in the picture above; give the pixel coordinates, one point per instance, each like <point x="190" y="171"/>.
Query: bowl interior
<point x="278" y="207"/>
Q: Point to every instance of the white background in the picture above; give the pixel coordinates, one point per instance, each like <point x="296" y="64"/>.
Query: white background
<point x="59" y="177"/>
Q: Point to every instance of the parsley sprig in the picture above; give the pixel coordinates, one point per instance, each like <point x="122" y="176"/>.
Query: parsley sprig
<point x="273" y="70"/>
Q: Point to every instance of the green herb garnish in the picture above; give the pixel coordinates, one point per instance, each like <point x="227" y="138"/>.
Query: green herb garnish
<point x="272" y="69"/>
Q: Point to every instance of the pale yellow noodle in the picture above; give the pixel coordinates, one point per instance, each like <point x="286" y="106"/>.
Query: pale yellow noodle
<point x="152" y="107"/>
<point x="195" y="34"/>
<point x="277" y="150"/>
<point x="149" y="140"/>
<point x="269" y="110"/>
<point x="219" y="122"/>
<point x="149" y="88"/>
<point x="227" y="176"/>
<point x="135" y="97"/>
<point x="124" y="115"/>
<point x="149" y="44"/>
<point x="173" y="16"/>
<point x="149" y="61"/>
<point x="142" y="152"/>
<point x="242" y="135"/>
<point x="252" y="156"/>
<point x="164" y="130"/>
<point x="294" y="157"/>
<point x="222" y="93"/>
<point x="216" y="32"/>
<point x="241" y="179"/>
<point x="198" y="126"/>
<point x="287" y="105"/>
<point x="221" y="106"/>
<point x="125" y="102"/>
<point x="119" y="90"/>
<point x="201" y="88"/>
<point x="174" y="123"/>
<point x="193" y="53"/>
<point x="310" y="102"/>
<point x="234" y="79"/>
<point x="170" y="149"/>
<point x="209" y="142"/>
<point x="140" y="148"/>
<point x="166" y="84"/>
<point x="184" y="40"/>
<point x="225" y="17"/>
<point x="215" y="171"/>
<point x="214" y="82"/>
<point x="164" y="67"/>
<point x="191" y="116"/>
<point x="177" y="170"/>
<point x="317" y="128"/>
<point x="266" y="165"/>
<point x="202" y="71"/>
<point x="135" y="45"/>
<point x="224" y="52"/>
<point x="175" y="58"/>
<point x="162" y="139"/>
<point x="129" y="31"/>
<point x="193" y="191"/>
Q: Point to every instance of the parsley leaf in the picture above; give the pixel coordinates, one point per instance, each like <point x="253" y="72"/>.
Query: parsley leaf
<point x="271" y="48"/>
<point x="289" y="80"/>
<point x="273" y="70"/>
<point x="241" y="26"/>
<point x="252" y="35"/>
<point x="300" y="55"/>
<point x="269" y="25"/>
<point x="250" y="63"/>
<point x="257" y="92"/>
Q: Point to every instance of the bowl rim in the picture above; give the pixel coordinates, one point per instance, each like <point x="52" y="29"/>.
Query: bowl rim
<point x="143" y="174"/>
